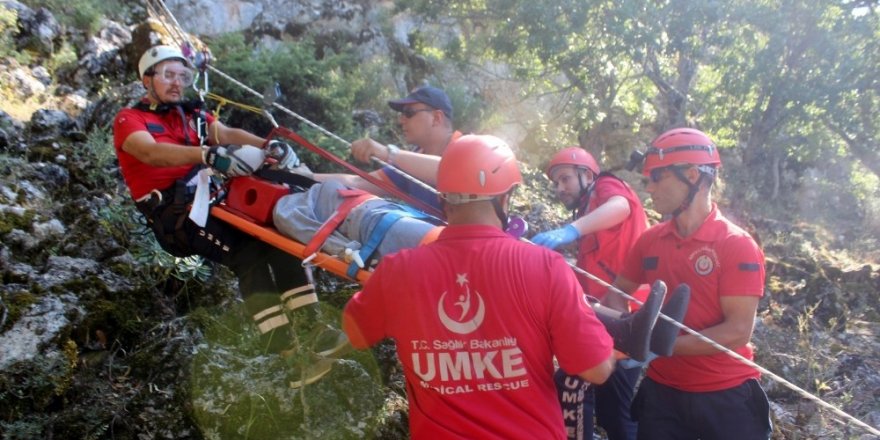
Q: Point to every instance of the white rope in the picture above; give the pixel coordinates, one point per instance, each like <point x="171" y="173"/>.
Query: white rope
<point x="180" y="37"/>
<point x="737" y="356"/>
<point x="180" y="34"/>
<point x="319" y="128"/>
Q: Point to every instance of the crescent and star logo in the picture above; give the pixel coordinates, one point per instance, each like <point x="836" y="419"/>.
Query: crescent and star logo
<point x="465" y="322"/>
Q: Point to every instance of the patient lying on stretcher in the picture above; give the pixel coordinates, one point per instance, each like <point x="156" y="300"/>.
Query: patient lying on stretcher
<point x="371" y="227"/>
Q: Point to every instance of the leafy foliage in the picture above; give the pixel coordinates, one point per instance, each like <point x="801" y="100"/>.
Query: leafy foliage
<point x="94" y="162"/>
<point x="8" y="18"/>
<point x="787" y="89"/>
<point x="322" y="90"/>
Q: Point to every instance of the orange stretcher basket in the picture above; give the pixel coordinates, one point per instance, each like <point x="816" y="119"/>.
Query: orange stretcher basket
<point x="250" y="202"/>
<point x="249" y="209"/>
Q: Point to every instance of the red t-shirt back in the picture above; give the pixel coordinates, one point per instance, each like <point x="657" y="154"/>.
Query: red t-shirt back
<point x="478" y="317"/>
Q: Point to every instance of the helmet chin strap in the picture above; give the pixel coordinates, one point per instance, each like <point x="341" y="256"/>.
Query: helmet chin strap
<point x="692" y="190"/>
<point x="499" y="210"/>
<point x="580" y="204"/>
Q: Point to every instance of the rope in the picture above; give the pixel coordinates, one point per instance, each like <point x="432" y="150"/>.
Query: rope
<point x="178" y="33"/>
<point x="803" y="393"/>
<point x="180" y="36"/>
<point x="223" y="101"/>
<point x="319" y="128"/>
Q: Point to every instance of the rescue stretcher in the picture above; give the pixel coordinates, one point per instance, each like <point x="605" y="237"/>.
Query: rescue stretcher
<point x="250" y="210"/>
<point x="249" y="202"/>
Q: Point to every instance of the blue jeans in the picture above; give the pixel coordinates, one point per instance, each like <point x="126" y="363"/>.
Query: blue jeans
<point x="610" y="402"/>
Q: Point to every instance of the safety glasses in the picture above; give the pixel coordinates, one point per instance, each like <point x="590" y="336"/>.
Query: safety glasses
<point x="657" y="174"/>
<point x="410" y="112"/>
<point x="170" y="74"/>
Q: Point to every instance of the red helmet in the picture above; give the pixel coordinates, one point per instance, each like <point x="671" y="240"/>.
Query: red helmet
<point x="681" y="146"/>
<point x="575" y="156"/>
<point x="477" y="167"/>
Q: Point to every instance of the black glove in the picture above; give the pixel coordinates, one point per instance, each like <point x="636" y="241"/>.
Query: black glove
<point x="284" y="154"/>
<point x="234" y="160"/>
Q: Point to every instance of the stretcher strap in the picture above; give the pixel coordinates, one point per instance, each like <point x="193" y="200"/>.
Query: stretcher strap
<point x="269" y="319"/>
<point x="353" y="198"/>
<point x="388" y="219"/>
<point x="299" y="297"/>
<point x="378" y="234"/>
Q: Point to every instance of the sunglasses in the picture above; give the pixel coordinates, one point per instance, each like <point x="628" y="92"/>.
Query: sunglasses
<point x="657" y="174"/>
<point x="410" y="112"/>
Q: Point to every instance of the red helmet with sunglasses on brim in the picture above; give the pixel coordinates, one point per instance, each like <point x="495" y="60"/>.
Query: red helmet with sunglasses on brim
<point x="680" y="146"/>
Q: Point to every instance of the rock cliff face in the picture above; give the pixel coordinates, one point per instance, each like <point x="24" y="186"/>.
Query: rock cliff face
<point x="102" y="335"/>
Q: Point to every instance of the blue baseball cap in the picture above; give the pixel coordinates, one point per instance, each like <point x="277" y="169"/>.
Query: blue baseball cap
<point x="430" y="96"/>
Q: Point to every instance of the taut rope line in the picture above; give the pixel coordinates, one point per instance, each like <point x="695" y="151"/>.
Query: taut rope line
<point x="179" y="35"/>
<point x="740" y="358"/>
<point x="324" y="131"/>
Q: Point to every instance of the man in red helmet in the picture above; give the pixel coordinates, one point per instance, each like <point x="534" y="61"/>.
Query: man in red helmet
<point x="607" y="216"/>
<point x="161" y="142"/>
<point x="699" y="391"/>
<point x="477" y="334"/>
<point x="607" y="219"/>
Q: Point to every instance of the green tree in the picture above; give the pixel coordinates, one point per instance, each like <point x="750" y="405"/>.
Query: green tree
<point x="783" y="87"/>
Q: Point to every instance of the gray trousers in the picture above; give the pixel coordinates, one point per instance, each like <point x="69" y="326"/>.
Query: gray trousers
<point x="300" y="215"/>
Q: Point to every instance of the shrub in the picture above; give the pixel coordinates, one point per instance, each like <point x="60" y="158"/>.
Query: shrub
<point x="321" y="90"/>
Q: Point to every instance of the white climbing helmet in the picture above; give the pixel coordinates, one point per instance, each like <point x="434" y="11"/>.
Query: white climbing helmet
<point x="157" y="54"/>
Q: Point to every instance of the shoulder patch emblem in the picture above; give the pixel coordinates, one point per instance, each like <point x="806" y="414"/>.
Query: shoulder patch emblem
<point x="704" y="260"/>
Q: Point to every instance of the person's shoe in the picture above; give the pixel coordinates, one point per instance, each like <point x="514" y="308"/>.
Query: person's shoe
<point x="664" y="334"/>
<point x="331" y="343"/>
<point x="308" y="371"/>
<point x="632" y="332"/>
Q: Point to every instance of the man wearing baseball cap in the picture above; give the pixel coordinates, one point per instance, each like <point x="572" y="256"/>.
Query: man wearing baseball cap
<point x="428" y="95"/>
<point x="426" y="121"/>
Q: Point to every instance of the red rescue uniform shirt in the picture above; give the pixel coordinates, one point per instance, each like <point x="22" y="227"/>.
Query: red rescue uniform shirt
<point x="719" y="259"/>
<point x="164" y="127"/>
<point x="477" y="317"/>
<point x="602" y="253"/>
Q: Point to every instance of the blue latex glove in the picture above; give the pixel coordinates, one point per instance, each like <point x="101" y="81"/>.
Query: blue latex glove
<point x="557" y="237"/>
<point x="632" y="363"/>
